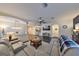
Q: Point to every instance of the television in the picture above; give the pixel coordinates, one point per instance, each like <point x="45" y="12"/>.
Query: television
<point x="46" y="28"/>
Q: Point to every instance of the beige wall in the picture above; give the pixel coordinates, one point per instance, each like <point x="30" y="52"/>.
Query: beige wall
<point x="65" y="19"/>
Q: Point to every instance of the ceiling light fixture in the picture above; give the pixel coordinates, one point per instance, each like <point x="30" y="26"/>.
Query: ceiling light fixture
<point x="44" y="5"/>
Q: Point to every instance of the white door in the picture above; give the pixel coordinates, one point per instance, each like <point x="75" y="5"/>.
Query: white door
<point x="55" y="30"/>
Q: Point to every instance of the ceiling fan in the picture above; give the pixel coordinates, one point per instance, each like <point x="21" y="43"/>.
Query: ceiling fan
<point x="41" y="20"/>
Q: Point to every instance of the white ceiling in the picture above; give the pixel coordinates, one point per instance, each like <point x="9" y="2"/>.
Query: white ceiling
<point x="32" y="11"/>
